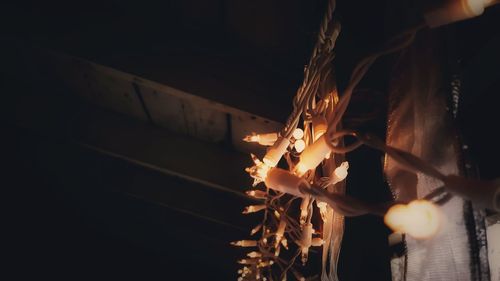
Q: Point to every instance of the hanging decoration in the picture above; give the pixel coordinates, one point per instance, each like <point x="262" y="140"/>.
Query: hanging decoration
<point x="303" y="205"/>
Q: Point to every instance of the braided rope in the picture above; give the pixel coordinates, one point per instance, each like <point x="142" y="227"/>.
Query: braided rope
<point x="317" y="70"/>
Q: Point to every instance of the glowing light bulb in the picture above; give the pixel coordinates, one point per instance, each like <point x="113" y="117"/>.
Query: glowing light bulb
<point x="284" y="181"/>
<point x="280" y="232"/>
<point x="312" y="156"/>
<point x="299" y="145"/>
<point x="258" y="171"/>
<point x="304" y="209"/>
<point x="259" y="194"/>
<point x="420" y="219"/>
<point x="340" y="172"/>
<point x="256" y="229"/>
<point x="277" y="214"/>
<point x="298" y="134"/>
<point x="245" y="243"/>
<point x="323" y="210"/>
<point x="247" y="261"/>
<point x="254" y="254"/>
<point x="266" y="263"/>
<point x="254" y="208"/>
<point x="284" y="242"/>
<point x="338" y="175"/>
<point x="251" y="138"/>
<point x="267" y="139"/>
<point x="306" y="241"/>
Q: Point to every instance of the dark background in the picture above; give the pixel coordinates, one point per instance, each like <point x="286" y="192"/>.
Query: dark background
<point x="67" y="215"/>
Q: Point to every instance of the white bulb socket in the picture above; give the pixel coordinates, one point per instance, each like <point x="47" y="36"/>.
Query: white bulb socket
<point x="298" y="133"/>
<point x="276" y="151"/>
<point x="284" y="181"/>
<point x="312" y="156"/>
<point x="299" y="145"/>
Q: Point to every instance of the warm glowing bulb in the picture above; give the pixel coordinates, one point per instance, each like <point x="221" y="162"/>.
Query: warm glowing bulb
<point x="299" y="145"/>
<point x="259" y="171"/>
<point x="420" y="219"/>
<point x="284" y="242"/>
<point x="280" y="232"/>
<point x="341" y="171"/>
<point x="254" y="255"/>
<point x="251" y="138"/>
<point x="253" y="209"/>
<point x="323" y="210"/>
<point x="304" y="209"/>
<point x="277" y="214"/>
<point x="247" y="261"/>
<point x="267" y="139"/>
<point x="245" y="243"/>
<point x="298" y="134"/>
<point x="306" y="241"/>
<point x="259" y="194"/>
<point x="277" y="250"/>
<point x="256" y="229"/>
<point x="266" y="263"/>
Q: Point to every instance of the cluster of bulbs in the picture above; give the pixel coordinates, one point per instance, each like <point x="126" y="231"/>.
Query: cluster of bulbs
<point x="284" y="227"/>
<point x="316" y="150"/>
<point x="420" y="219"/>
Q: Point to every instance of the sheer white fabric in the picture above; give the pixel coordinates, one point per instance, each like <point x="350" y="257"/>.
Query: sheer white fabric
<point x="419" y="122"/>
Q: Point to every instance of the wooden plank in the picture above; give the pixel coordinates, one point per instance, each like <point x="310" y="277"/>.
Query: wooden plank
<point x="184" y="115"/>
<point x="105" y="89"/>
<point x="168" y="107"/>
<point x="134" y="141"/>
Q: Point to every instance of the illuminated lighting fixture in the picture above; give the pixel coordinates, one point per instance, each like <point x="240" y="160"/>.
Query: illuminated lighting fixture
<point x="420" y="219"/>
<point x="262" y="139"/>
<point x="312" y="144"/>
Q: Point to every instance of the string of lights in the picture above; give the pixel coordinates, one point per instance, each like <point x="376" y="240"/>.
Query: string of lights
<point x="304" y="204"/>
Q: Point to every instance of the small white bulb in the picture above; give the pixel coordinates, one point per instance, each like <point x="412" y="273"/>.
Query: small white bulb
<point x="304" y="210"/>
<point x="253" y="209"/>
<point x="259" y="194"/>
<point x="245" y="243"/>
<point x="298" y="134"/>
<point x="299" y="145"/>
<point x="256" y="229"/>
<point x="341" y="171"/>
<point x="323" y="210"/>
<point x="254" y="255"/>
